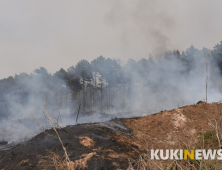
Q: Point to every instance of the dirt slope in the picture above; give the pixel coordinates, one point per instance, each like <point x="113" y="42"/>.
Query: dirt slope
<point x="109" y="145"/>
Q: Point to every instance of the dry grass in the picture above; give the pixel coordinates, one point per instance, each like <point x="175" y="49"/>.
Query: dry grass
<point x="144" y="162"/>
<point x="210" y="140"/>
<point x="59" y="163"/>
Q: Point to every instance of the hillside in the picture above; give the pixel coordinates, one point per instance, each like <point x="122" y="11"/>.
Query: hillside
<point x="112" y="144"/>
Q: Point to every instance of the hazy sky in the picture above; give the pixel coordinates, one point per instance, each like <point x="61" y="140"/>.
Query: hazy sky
<point x="57" y="34"/>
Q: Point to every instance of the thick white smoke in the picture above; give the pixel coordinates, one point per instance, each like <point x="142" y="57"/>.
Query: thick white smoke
<point x="150" y="86"/>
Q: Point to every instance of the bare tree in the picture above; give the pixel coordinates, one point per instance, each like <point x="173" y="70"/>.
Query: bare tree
<point x="207" y="72"/>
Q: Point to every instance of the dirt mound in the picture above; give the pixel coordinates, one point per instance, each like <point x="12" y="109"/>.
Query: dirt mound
<point x="201" y="102"/>
<point x="109" y="145"/>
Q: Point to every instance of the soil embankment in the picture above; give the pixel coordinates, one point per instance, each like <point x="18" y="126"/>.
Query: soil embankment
<point x="111" y="144"/>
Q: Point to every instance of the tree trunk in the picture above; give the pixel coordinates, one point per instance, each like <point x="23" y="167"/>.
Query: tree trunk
<point x="66" y="97"/>
<point x="124" y="102"/>
<point x="84" y="100"/>
<point x="101" y="101"/>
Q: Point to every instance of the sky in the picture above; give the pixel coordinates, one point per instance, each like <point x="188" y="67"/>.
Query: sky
<point x="57" y="34"/>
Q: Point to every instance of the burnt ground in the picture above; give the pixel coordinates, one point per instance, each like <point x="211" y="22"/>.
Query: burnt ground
<point x="110" y="145"/>
<point x="96" y="145"/>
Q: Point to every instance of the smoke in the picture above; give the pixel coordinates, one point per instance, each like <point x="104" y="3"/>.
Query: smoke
<point x="135" y="89"/>
<point x="143" y="22"/>
<point x="39" y="33"/>
<point x="55" y="33"/>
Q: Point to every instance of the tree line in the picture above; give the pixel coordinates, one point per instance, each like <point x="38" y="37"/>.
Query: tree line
<point x="103" y="85"/>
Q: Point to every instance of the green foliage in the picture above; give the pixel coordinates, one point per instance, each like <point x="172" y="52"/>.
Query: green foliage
<point x="109" y="76"/>
<point x="210" y="139"/>
<point x="209" y="135"/>
<point x="83" y="69"/>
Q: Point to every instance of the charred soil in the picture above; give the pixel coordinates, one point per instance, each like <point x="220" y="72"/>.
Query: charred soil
<point x="110" y="145"/>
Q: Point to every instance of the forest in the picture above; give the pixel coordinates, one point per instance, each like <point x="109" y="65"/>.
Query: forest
<point x="107" y="85"/>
